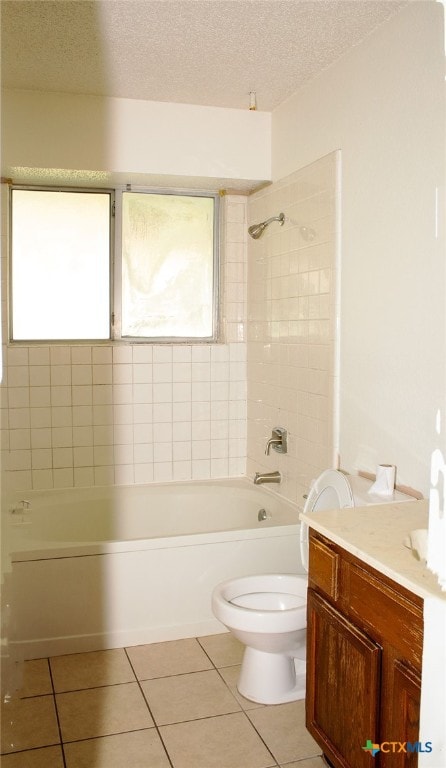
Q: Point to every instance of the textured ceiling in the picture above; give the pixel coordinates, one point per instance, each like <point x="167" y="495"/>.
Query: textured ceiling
<point x="209" y="52"/>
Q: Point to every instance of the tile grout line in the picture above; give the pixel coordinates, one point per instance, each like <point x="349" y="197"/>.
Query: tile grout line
<point x="50" y="671"/>
<point x="149" y="709"/>
<point x="242" y="709"/>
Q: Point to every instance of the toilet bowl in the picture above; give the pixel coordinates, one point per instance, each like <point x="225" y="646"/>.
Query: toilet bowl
<point x="267" y="612"/>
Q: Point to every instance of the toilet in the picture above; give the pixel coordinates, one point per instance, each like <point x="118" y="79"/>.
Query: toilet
<point x="267" y="612"/>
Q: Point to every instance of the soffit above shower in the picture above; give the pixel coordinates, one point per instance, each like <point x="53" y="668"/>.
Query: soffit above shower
<point x="204" y="52"/>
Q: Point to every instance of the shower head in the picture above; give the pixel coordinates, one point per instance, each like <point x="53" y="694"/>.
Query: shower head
<point x="256" y="230"/>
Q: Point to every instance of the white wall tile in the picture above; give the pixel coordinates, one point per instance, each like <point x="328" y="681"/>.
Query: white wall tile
<point x="63" y="478"/>
<point x="61" y="396"/>
<point x="19" y="397"/>
<point x="122" y="374"/>
<point x="122" y="355"/>
<point x="19" y="460"/>
<point x="182" y="470"/>
<point x="39" y="356"/>
<point x="162" y="432"/>
<point x="42" y="479"/>
<point x="102" y="355"/>
<point x="81" y="395"/>
<point x="143" y="473"/>
<point x="142" y="354"/>
<point x="82" y="415"/>
<point x="201" y="469"/>
<point x="41" y="438"/>
<point x="18" y="376"/>
<point x="142" y="373"/>
<point x="20" y="439"/>
<point x="290" y="352"/>
<point x="60" y="355"/>
<point x="80" y="356"/>
<point x="143" y="453"/>
<point x="162" y="392"/>
<point x="102" y="374"/>
<point x="62" y="458"/>
<point x="60" y="437"/>
<point x="84" y="477"/>
<point x="104" y="434"/>
<point x="17" y="356"/>
<point x="182" y="431"/>
<point x="162" y="472"/>
<point x="39" y="397"/>
<point x="83" y="456"/>
<point x="82" y="375"/>
<point x="100" y="414"/>
<point x="41" y="458"/>
<point x="103" y="394"/>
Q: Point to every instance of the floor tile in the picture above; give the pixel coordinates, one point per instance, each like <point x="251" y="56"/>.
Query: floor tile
<point x="188" y="697"/>
<point x="174" y="657"/>
<point x="231" y="675"/>
<point x="90" y="670"/>
<point x="48" y="757"/>
<point x="36" y="678"/>
<point x="282" y="728"/>
<point x="224" y="650"/>
<point x="139" y="749"/>
<point x="311" y="762"/>
<point x="28" y="723"/>
<point x="228" y="741"/>
<point x="102" y="711"/>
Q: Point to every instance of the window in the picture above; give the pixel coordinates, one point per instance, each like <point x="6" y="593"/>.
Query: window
<point x="60" y="265"/>
<point x="165" y="275"/>
<point x="167" y="266"/>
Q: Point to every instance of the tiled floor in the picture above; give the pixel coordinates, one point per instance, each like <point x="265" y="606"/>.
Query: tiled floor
<point x="165" y="705"/>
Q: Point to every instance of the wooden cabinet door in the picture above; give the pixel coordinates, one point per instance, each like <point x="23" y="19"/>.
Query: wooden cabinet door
<point x="343" y="686"/>
<point x="401" y="718"/>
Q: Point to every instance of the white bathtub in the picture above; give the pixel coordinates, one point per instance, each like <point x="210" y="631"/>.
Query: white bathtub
<point x="105" y="568"/>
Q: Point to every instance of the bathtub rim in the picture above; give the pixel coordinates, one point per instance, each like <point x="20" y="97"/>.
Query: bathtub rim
<point x="48" y="549"/>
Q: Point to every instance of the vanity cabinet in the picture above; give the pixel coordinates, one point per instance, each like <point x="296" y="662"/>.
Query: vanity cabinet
<point x="364" y="648"/>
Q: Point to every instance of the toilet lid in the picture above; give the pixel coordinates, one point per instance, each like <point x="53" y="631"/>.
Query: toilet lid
<point x="331" y="490"/>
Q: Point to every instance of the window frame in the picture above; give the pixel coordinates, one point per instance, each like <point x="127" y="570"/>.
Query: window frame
<point x="115" y="266"/>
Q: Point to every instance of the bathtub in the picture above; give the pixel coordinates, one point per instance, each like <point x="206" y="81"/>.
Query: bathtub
<point x="112" y="567"/>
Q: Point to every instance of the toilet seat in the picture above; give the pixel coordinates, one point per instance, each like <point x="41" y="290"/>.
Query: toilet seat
<point x="258" y="603"/>
<point x="331" y="490"/>
<point x="268" y="601"/>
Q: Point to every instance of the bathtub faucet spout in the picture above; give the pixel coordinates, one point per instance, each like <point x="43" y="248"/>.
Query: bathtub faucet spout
<point x="267" y="477"/>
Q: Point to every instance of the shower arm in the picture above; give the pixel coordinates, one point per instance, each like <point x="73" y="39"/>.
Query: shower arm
<point x="280" y="218"/>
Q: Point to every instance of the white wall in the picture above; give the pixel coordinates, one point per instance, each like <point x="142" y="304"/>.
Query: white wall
<point x="382" y="106"/>
<point x="125" y="136"/>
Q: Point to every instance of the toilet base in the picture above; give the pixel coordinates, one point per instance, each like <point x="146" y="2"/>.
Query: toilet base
<point x="271" y="678"/>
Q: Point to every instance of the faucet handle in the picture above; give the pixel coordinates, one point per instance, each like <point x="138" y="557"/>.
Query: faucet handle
<point x="277" y="441"/>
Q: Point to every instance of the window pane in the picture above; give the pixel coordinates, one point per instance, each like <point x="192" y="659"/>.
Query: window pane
<point x="167" y="266"/>
<point x="60" y="265"/>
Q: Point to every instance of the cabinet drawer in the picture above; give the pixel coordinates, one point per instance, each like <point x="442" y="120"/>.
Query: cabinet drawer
<point x="324" y="567"/>
<point x="376" y="606"/>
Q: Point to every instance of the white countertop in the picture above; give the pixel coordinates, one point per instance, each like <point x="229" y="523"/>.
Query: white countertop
<point x="375" y="534"/>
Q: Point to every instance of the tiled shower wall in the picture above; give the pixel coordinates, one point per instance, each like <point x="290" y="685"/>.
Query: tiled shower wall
<point x="85" y="415"/>
<point x="81" y="415"/>
<point x="291" y="326"/>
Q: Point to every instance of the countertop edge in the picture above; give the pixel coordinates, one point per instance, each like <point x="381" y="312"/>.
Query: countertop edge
<point x="357" y="530"/>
